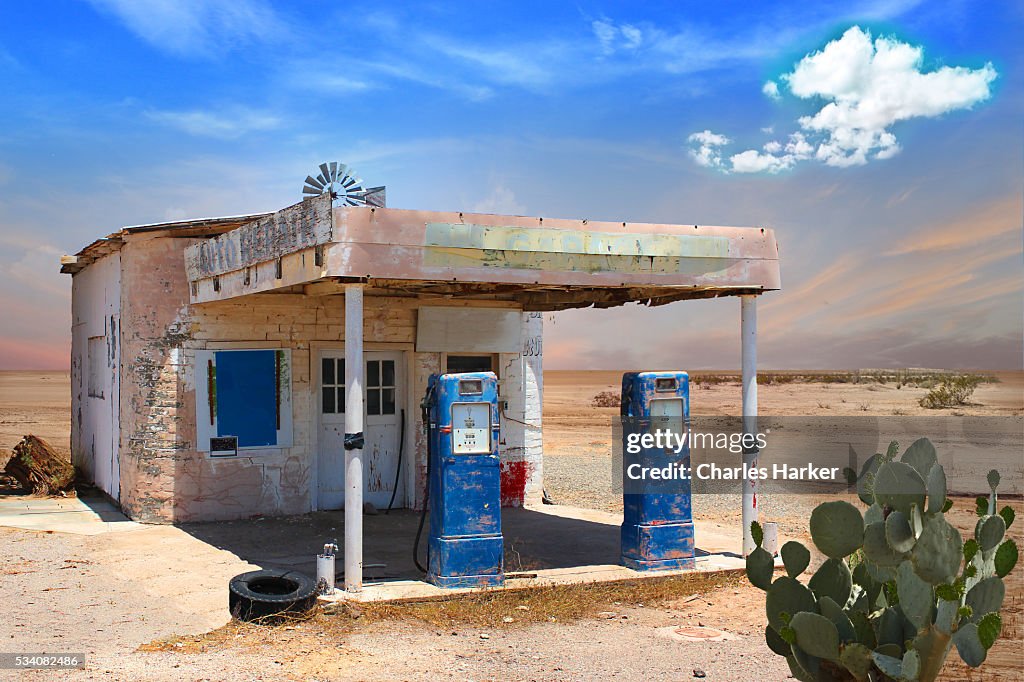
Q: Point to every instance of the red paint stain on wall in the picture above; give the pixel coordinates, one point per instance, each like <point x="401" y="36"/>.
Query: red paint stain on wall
<point x="514" y="476"/>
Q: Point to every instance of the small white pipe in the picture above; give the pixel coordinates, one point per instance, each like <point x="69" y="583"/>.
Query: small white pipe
<point x="353" y="424"/>
<point x="748" y="333"/>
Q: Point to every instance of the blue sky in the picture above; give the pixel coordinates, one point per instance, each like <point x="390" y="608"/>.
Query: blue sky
<point x="899" y="219"/>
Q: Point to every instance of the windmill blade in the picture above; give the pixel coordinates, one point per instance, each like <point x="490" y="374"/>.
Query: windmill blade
<point x="375" y="196"/>
<point x="345" y="186"/>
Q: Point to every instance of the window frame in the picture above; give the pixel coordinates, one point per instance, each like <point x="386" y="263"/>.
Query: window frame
<point x="340" y="397"/>
<point x="207" y="427"/>
<point x="96" y="366"/>
<point x="380" y="387"/>
<point x="494" y="361"/>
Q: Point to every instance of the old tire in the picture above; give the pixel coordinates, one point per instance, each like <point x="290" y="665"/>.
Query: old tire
<point x="259" y="594"/>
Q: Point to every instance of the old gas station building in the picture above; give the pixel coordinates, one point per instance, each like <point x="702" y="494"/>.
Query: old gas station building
<point x="217" y="364"/>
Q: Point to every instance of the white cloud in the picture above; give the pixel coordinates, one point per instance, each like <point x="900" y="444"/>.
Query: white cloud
<point x="771" y="89"/>
<point x="196" y="27"/>
<point x="776" y="156"/>
<point x="707" y="151"/>
<point x="228" y="124"/>
<point x="753" y="161"/>
<point x="612" y="37"/>
<point x="606" y="33"/>
<point x="631" y="35"/>
<point x="869" y="85"/>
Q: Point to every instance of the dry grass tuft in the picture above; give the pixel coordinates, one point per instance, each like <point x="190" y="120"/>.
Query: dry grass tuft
<point x="491" y="609"/>
<point x="606" y="399"/>
<point x="555" y="603"/>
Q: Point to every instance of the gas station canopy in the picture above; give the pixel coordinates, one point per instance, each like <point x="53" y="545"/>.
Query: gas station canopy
<point x="543" y="264"/>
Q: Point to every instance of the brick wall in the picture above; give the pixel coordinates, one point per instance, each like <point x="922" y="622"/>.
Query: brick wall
<point x="165" y="479"/>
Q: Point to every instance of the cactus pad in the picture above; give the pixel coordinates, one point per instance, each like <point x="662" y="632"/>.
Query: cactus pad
<point x="916" y="597"/>
<point x="937" y="554"/>
<point x="969" y="645"/>
<point x="816" y="635"/>
<point x="989" y="532"/>
<point x="787" y="595"/>
<point x="921" y="456"/>
<point x="986" y="597"/>
<point x="936" y="485"/>
<point x="876" y="548"/>
<point x="796" y="557"/>
<point x="898" y="532"/>
<point x="760" y="566"/>
<point x="898" y="486"/>
<point x="837" y="528"/>
<point x="832" y="579"/>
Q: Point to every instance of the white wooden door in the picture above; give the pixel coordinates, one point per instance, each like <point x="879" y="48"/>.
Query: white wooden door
<point x="384" y="392"/>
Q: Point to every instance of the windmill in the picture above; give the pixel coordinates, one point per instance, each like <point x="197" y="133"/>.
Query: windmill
<point x="345" y="187"/>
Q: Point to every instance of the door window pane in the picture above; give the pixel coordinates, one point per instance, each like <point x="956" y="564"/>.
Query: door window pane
<point x="332" y="382"/>
<point x="373" y="373"/>
<point x="389" y="373"/>
<point x="373" y="401"/>
<point x="388" y="401"/>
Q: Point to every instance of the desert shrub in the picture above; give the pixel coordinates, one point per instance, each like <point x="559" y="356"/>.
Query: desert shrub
<point x="951" y="392"/>
<point x="606" y="399"/>
<point x="900" y="587"/>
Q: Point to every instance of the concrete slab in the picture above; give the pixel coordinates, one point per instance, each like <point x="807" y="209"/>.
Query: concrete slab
<point x="86" y="515"/>
<point x="560" y="545"/>
<point x="544" y="545"/>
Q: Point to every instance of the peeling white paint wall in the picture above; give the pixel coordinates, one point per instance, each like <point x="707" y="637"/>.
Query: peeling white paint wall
<point x="521" y="448"/>
<point x="95" y="373"/>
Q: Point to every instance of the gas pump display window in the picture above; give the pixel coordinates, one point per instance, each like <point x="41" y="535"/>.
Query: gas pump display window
<point x="380" y="387"/>
<point x="471" y="428"/>
<point x="667" y="415"/>
<point x="666" y="384"/>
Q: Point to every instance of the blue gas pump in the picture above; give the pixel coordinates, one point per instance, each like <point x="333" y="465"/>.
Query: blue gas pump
<point x="657" y="525"/>
<point x="465" y="547"/>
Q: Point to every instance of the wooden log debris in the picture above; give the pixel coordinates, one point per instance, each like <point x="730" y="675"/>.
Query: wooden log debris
<point x="37" y="466"/>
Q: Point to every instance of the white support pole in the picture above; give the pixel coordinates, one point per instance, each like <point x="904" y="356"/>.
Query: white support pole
<point x="353" y="425"/>
<point x="748" y="333"/>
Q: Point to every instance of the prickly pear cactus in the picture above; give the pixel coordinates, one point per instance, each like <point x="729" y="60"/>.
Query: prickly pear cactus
<point x="900" y="587"/>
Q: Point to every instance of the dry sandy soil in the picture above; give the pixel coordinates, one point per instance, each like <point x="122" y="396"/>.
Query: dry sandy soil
<point x="621" y="642"/>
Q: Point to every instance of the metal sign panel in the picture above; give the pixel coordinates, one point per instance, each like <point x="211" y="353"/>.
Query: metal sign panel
<point x="297" y="227"/>
<point x="469" y="330"/>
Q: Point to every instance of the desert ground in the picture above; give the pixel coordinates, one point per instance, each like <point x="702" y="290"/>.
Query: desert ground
<point x="80" y="593"/>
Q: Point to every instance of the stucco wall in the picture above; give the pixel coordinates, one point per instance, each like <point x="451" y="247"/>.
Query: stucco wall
<point x="165" y="479"/>
<point x="95" y="351"/>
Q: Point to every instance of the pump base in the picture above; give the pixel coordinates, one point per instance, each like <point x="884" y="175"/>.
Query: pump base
<point x="455" y="581"/>
<point x="658" y="547"/>
<point x="665" y="565"/>
<point x="467" y="561"/>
